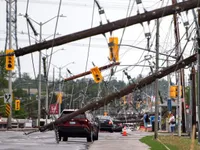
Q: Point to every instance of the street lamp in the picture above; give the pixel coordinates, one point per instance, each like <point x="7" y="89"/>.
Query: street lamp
<point x="60" y="88"/>
<point x="40" y="55"/>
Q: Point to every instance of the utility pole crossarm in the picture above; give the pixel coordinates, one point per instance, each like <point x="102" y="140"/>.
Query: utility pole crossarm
<point x="104" y="101"/>
<point x="88" y="72"/>
<point x="147" y="16"/>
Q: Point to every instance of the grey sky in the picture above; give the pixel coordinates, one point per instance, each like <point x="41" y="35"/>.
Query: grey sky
<point x="79" y="16"/>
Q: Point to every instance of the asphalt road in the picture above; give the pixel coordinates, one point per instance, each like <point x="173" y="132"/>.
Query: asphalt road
<point x="15" y="140"/>
<point x="12" y="140"/>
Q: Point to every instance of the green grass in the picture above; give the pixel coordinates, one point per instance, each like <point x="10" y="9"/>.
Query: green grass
<point x="155" y="145"/>
<point x="182" y="143"/>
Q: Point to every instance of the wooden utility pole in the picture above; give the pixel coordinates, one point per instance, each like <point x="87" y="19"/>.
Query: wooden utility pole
<point x="193" y="87"/>
<point x="139" y="18"/>
<point x="108" y="99"/>
<point x="181" y="72"/>
<point x="197" y="23"/>
<point x="156" y="86"/>
<point x="88" y="72"/>
<point x="178" y="73"/>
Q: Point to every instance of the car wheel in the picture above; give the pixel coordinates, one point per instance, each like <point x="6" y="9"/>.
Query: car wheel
<point x="96" y="137"/>
<point x="59" y="135"/>
<point x="111" y="131"/>
<point x="90" y="137"/>
<point x="65" y="138"/>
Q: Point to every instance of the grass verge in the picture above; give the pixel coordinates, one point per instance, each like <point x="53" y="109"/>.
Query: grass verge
<point x="182" y="143"/>
<point x="155" y="145"/>
<point x="172" y="142"/>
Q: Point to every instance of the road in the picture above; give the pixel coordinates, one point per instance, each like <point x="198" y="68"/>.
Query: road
<point x="13" y="140"/>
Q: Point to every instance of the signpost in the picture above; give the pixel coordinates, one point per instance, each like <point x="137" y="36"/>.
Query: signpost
<point x="169" y="104"/>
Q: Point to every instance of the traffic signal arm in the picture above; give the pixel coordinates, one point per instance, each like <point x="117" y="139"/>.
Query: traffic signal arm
<point x="89" y="72"/>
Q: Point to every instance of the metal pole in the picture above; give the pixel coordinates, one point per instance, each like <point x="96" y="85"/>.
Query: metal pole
<point x="197" y="23"/>
<point x="9" y="122"/>
<point x="156" y="82"/>
<point x="47" y="98"/>
<point x="198" y="68"/>
<point x="39" y="79"/>
<point x="179" y="104"/>
<point x="191" y="105"/>
<point x="60" y="89"/>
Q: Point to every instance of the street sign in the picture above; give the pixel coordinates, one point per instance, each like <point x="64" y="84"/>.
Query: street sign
<point x="53" y="109"/>
<point x="7" y="109"/>
<point x="7" y="98"/>
<point x="169" y="104"/>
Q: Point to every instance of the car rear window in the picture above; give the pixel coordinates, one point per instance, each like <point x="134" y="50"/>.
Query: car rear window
<point x="80" y="116"/>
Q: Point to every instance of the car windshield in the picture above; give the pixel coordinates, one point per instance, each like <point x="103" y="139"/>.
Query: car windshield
<point x="80" y="116"/>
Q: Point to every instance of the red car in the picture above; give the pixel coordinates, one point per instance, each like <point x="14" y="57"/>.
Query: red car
<point x="83" y="125"/>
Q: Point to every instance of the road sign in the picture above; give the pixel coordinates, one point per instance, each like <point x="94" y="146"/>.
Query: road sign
<point x="7" y="98"/>
<point x="169" y="104"/>
<point x="53" y="109"/>
<point x="7" y="109"/>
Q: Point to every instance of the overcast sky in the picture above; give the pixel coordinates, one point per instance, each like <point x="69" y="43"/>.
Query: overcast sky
<point x="78" y="17"/>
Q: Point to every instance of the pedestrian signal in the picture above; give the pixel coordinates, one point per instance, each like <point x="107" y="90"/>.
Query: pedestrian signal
<point x="17" y="105"/>
<point x="10" y="60"/>
<point x="114" y="49"/>
<point x="96" y="73"/>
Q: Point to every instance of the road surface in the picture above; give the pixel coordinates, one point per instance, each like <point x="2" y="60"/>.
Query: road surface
<point x="14" y="140"/>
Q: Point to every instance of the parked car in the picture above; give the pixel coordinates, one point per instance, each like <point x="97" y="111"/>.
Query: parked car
<point x="105" y="123"/>
<point x="83" y="125"/>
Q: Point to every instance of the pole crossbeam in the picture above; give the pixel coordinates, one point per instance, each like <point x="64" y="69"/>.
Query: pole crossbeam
<point x="111" y="26"/>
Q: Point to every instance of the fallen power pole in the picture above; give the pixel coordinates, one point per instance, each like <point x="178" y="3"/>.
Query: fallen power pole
<point x="147" y="16"/>
<point x="88" y="72"/>
<point x="108" y="99"/>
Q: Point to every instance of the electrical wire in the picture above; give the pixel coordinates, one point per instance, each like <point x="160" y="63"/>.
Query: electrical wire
<point x="58" y="14"/>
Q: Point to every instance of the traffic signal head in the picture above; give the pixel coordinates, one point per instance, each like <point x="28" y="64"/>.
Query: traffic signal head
<point x="17" y="104"/>
<point x="59" y="98"/>
<point x="96" y="73"/>
<point x="114" y="49"/>
<point x="10" y="60"/>
<point x="174" y="91"/>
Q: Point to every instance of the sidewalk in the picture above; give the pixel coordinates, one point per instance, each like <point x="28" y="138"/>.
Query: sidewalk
<point x="115" y="141"/>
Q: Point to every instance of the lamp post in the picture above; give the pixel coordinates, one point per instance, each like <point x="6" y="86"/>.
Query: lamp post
<point x="60" y="88"/>
<point x="40" y="56"/>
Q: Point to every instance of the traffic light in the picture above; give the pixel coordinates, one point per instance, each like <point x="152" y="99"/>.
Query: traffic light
<point x="59" y="98"/>
<point x="96" y="73"/>
<point x="174" y="91"/>
<point x="114" y="49"/>
<point x="10" y="60"/>
<point x="17" y="104"/>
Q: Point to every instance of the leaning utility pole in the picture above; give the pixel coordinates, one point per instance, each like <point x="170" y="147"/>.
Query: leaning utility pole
<point x="89" y="72"/>
<point x="111" y="26"/>
<point x="156" y="83"/>
<point x="110" y="98"/>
